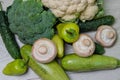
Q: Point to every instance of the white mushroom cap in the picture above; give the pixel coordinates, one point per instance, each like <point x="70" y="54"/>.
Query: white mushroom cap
<point x="84" y="46"/>
<point x="106" y="35"/>
<point x="44" y="50"/>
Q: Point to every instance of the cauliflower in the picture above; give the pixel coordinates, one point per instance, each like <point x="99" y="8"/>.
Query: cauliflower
<point x="89" y="12"/>
<point x="66" y="9"/>
<point x="69" y="10"/>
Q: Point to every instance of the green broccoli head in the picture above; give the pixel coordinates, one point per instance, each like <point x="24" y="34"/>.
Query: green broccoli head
<point x="30" y="21"/>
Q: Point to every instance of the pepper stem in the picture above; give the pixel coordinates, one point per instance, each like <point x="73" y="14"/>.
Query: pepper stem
<point x="118" y="65"/>
<point x="27" y="61"/>
<point x="71" y="32"/>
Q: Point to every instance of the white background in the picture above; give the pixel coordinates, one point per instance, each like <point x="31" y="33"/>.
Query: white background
<point x="111" y="7"/>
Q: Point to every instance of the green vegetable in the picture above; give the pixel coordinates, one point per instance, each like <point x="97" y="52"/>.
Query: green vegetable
<point x="95" y="23"/>
<point x="48" y="71"/>
<point x="16" y="67"/>
<point x="69" y="31"/>
<point x="60" y="45"/>
<point x="8" y="37"/>
<point x="101" y="12"/>
<point x="72" y="62"/>
<point x="0" y="6"/>
<point x="30" y="21"/>
<point x="99" y="49"/>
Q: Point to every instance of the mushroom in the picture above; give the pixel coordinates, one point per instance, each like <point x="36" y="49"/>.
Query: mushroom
<point x="106" y="35"/>
<point x="84" y="46"/>
<point x="44" y="50"/>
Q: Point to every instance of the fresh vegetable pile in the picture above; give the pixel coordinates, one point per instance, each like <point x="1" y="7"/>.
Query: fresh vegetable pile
<point x="45" y="26"/>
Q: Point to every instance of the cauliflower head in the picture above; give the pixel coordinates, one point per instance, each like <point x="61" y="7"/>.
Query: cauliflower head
<point x="89" y="12"/>
<point x="69" y="10"/>
<point x="30" y="21"/>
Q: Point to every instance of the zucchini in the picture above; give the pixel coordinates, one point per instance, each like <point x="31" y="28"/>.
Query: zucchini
<point x="99" y="49"/>
<point x="48" y="71"/>
<point x="92" y="25"/>
<point x="73" y="62"/>
<point x="8" y="37"/>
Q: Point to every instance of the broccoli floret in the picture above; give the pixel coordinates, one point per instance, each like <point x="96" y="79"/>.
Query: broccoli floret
<point x="29" y="20"/>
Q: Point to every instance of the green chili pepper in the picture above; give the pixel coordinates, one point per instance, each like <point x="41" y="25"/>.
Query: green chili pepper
<point x="68" y="31"/>
<point x="16" y="67"/>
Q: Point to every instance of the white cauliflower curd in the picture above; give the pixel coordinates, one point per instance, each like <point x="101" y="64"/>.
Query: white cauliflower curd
<point x="89" y="12"/>
<point x="68" y="10"/>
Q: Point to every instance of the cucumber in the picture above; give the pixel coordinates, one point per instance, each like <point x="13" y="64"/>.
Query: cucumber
<point x="95" y="23"/>
<point x="99" y="49"/>
<point x="48" y="71"/>
<point x="8" y="37"/>
<point x="73" y="62"/>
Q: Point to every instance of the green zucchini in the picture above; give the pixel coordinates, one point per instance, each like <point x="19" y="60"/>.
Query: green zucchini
<point x="48" y="71"/>
<point x="99" y="49"/>
<point x="92" y="25"/>
<point x="8" y="37"/>
<point x="73" y="62"/>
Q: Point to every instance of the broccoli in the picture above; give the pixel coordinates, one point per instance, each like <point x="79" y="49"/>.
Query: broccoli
<point x="30" y="21"/>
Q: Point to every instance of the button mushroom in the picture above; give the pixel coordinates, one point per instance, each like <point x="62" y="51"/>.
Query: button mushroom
<point x="106" y="35"/>
<point x="44" y="50"/>
<point x="84" y="46"/>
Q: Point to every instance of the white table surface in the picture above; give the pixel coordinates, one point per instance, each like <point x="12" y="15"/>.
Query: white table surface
<point x="111" y="7"/>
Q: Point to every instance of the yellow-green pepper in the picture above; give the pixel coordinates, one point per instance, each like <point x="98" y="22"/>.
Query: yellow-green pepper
<point x="68" y="31"/>
<point x="16" y="67"/>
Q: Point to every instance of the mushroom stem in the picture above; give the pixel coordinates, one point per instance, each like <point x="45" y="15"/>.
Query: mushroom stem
<point x="42" y="49"/>
<point x="87" y="42"/>
<point x="110" y="35"/>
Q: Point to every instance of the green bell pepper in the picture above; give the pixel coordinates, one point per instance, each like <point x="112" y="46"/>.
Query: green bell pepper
<point x="68" y="31"/>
